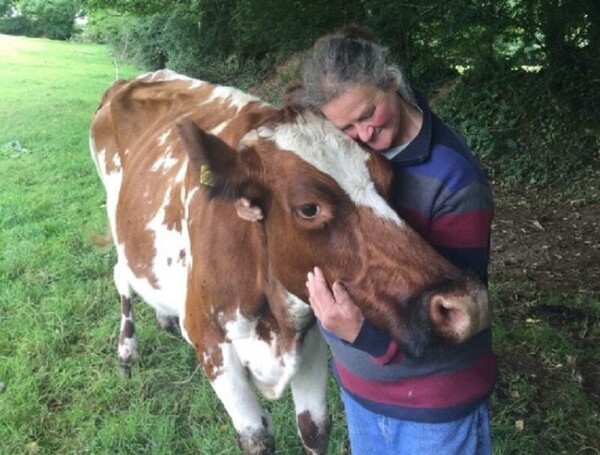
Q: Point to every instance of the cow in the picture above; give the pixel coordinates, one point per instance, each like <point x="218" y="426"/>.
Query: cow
<point x="174" y="153"/>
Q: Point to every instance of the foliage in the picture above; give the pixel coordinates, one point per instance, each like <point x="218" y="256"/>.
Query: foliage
<point x="524" y="72"/>
<point x="53" y="19"/>
<point x="522" y="127"/>
<point x="5" y="7"/>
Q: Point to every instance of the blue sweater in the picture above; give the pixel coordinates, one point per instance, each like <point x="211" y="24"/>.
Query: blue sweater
<point x="440" y="190"/>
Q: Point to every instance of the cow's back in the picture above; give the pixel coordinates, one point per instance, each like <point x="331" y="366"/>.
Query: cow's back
<point x="144" y="168"/>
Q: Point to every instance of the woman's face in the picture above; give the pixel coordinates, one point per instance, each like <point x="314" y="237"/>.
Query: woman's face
<point x="368" y="115"/>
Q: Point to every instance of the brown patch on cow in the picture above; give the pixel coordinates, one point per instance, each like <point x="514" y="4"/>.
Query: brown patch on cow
<point x="314" y="437"/>
<point x="182" y="258"/>
<point x="126" y="306"/>
<point x="128" y="331"/>
<point x="174" y="211"/>
<point x="266" y="328"/>
<point x="211" y="358"/>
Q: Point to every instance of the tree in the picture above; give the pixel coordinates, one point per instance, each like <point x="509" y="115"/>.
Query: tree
<point x="53" y="19"/>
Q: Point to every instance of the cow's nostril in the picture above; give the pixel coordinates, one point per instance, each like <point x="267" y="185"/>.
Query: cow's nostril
<point x="449" y="318"/>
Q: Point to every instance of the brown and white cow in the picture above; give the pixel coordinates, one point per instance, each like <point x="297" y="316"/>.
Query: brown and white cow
<point x="173" y="154"/>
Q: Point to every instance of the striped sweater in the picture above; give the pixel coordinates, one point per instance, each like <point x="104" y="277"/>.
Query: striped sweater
<point x="442" y="193"/>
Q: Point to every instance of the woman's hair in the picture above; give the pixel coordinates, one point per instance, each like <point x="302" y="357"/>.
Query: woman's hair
<point x="346" y="58"/>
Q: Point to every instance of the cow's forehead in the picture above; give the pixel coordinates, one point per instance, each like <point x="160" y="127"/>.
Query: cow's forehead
<point x="330" y="151"/>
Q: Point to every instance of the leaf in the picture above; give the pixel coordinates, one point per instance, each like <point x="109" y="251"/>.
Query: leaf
<point x="519" y="425"/>
<point x="538" y="225"/>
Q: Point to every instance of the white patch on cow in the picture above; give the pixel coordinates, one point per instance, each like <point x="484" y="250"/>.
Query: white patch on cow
<point x="238" y="398"/>
<point x="180" y="177"/>
<point x="167" y="296"/>
<point x="252" y="136"/>
<point x="162" y="139"/>
<point x="171" y="275"/>
<point x="120" y="274"/>
<point x="96" y="157"/>
<point x="166" y="161"/>
<point x="116" y="161"/>
<point x="163" y="75"/>
<point x="127" y="350"/>
<point x="319" y="143"/>
<point x="309" y="384"/>
<point x="235" y="97"/>
<point x="299" y="313"/>
<point x="219" y="128"/>
<point x="196" y="84"/>
<point x="271" y="370"/>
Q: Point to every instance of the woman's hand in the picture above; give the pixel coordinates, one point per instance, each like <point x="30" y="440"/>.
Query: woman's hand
<point x="334" y="308"/>
<point x="247" y="211"/>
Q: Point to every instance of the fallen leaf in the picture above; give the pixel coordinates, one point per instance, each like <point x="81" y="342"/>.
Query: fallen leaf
<point x="538" y="225"/>
<point x="32" y="447"/>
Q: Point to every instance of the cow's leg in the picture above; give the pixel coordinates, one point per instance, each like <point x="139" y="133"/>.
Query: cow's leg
<point x="252" y="424"/>
<point x="309" y="387"/>
<point x="127" y="350"/>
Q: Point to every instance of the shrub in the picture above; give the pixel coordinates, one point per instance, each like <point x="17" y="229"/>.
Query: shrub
<point x="522" y="126"/>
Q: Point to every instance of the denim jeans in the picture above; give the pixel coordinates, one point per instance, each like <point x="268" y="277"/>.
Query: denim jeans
<point x="372" y="433"/>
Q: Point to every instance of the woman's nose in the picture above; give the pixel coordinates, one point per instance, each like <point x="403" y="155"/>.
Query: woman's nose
<point x="365" y="133"/>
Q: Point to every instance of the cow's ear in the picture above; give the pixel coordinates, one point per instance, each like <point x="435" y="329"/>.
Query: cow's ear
<point x="382" y="175"/>
<point x="214" y="164"/>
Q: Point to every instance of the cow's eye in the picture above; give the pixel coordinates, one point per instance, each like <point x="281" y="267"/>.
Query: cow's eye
<point x="309" y="211"/>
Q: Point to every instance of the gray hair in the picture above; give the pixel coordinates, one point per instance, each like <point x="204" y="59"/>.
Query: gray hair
<point x="342" y="60"/>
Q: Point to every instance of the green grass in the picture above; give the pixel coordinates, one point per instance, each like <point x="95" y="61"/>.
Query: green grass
<point x="59" y="314"/>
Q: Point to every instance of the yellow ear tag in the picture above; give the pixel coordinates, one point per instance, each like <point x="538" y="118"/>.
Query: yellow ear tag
<point x="206" y="176"/>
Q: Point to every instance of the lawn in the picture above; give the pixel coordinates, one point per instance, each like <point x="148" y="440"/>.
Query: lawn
<point x="59" y="316"/>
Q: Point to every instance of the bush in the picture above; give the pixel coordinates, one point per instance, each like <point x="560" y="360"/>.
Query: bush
<point x="20" y="26"/>
<point x="54" y="19"/>
<point x="522" y="127"/>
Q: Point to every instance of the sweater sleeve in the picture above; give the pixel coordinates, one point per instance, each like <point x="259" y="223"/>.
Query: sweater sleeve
<point x="377" y="343"/>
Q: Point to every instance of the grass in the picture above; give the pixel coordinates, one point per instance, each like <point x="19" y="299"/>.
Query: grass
<point x="59" y="315"/>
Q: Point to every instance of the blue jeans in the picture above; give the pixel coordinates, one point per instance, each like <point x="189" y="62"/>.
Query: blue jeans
<point x="372" y="433"/>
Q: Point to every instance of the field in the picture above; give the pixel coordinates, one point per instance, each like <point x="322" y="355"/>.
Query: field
<point x="60" y="391"/>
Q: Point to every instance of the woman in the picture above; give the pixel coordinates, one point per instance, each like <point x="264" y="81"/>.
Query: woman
<point x="437" y="404"/>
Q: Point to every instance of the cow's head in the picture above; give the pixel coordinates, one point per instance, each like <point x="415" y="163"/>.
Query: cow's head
<point x="324" y="204"/>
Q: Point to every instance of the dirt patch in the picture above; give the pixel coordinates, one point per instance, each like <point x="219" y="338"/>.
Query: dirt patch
<point x="544" y="244"/>
<point x="549" y="242"/>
